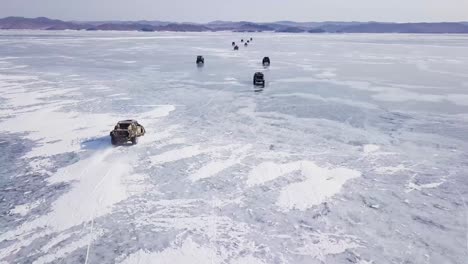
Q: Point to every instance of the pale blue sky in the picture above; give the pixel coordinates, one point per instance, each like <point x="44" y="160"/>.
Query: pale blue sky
<point x="252" y="10"/>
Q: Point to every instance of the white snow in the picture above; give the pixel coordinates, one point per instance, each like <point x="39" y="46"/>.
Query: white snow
<point x="177" y="154"/>
<point x="62" y="252"/>
<point x="390" y="169"/>
<point x="184" y="153"/>
<point x="247" y="260"/>
<point x="189" y="252"/>
<point x="55" y="131"/>
<point x="419" y="187"/>
<point x="252" y="170"/>
<point x="268" y="171"/>
<point x="215" y="167"/>
<point x="97" y="184"/>
<point x="370" y="148"/>
<point x="24" y="209"/>
<point x="319" y="185"/>
<point x="320" y="245"/>
<point x="212" y="168"/>
<point x="59" y="134"/>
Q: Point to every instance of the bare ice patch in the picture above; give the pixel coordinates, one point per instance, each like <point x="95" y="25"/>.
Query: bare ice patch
<point x="400" y="95"/>
<point x="337" y="100"/>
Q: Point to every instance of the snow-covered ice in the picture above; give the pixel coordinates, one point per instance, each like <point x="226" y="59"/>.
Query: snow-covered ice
<point x="355" y="151"/>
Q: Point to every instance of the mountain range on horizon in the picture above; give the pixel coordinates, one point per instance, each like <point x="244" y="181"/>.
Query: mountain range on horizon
<point x="43" y="23"/>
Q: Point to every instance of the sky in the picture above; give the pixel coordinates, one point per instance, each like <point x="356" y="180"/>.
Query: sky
<point x="241" y="10"/>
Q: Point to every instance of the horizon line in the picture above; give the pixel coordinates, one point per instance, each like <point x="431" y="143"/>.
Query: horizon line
<point x="239" y="21"/>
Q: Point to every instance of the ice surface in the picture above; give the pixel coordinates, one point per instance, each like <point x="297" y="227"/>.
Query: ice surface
<point x="319" y="185"/>
<point x="354" y="152"/>
<point x="188" y="252"/>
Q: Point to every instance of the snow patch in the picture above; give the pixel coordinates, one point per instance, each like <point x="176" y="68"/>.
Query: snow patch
<point x="215" y="167"/>
<point x="183" y="153"/>
<point x="97" y="184"/>
<point x="177" y="154"/>
<point x="57" y="132"/>
<point x="212" y="169"/>
<point x="64" y="251"/>
<point x="390" y="170"/>
<point x="269" y="171"/>
<point x="419" y="187"/>
<point x="369" y="148"/>
<point x="189" y="252"/>
<point x="320" y="245"/>
<point x="247" y="260"/>
<point x="24" y="209"/>
<point x="320" y="185"/>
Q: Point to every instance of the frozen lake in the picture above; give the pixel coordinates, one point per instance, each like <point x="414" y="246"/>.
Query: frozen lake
<point x="356" y="151"/>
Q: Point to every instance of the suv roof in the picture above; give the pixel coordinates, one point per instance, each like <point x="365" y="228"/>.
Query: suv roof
<point x="126" y="121"/>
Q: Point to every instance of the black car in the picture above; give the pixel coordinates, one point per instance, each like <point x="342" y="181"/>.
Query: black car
<point x="233" y="43"/>
<point x="200" y="60"/>
<point x="266" y="61"/>
<point x="251" y="39"/>
<point x="236" y="47"/>
<point x="259" y="79"/>
<point x="242" y="40"/>
<point x="246" y="44"/>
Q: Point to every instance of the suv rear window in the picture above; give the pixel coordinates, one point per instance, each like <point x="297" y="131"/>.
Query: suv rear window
<point x="124" y="126"/>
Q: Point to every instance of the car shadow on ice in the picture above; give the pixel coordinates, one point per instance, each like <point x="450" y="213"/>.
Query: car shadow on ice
<point x="258" y="89"/>
<point x="96" y="143"/>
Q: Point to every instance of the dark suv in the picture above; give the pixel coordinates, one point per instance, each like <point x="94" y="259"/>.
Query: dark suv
<point x="200" y="60"/>
<point x="259" y="79"/>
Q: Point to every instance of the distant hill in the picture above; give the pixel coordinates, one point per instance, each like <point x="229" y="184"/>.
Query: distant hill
<point x="43" y="23"/>
<point x="432" y="28"/>
<point x="185" y="27"/>
<point x="291" y="30"/>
